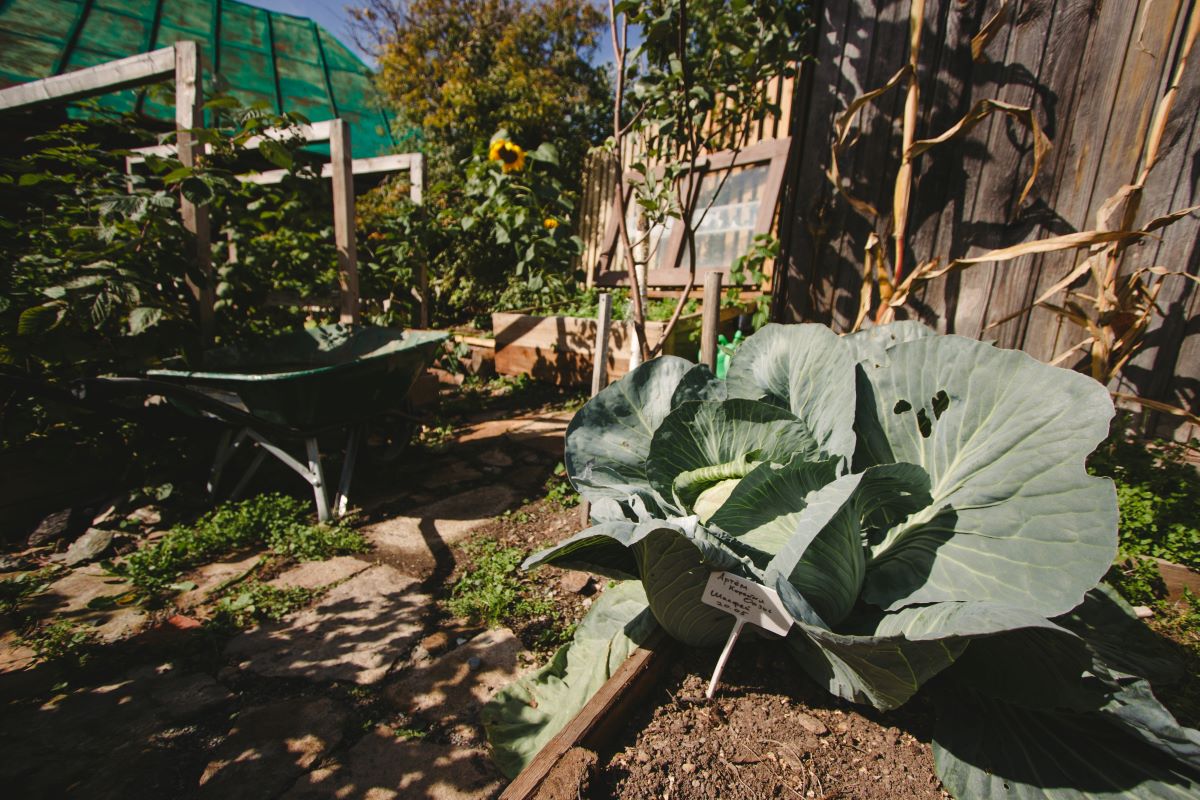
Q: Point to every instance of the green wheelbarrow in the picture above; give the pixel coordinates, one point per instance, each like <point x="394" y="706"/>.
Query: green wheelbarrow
<point x="290" y="388"/>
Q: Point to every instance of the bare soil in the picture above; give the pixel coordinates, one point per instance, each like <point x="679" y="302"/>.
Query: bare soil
<point x="768" y="732"/>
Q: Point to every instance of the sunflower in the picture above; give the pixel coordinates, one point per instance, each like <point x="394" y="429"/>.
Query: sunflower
<point x="509" y="154"/>
<point x="550" y="223"/>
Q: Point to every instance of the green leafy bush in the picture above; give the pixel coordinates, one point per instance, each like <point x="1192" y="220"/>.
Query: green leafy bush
<point x="491" y="590"/>
<point x="559" y="489"/>
<point x="920" y="512"/>
<point x="273" y="520"/>
<point x="14" y="591"/>
<point x="491" y="237"/>
<point x="254" y="602"/>
<point x="1158" y="494"/>
<point x="61" y="641"/>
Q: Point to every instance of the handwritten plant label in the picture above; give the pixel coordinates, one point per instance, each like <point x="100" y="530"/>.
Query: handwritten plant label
<point x="749" y="602"/>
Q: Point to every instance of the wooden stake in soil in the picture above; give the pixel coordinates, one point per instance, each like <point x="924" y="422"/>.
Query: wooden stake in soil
<point x="717" y="670"/>
<point x="710" y="320"/>
<point x="746" y="601"/>
<point x="600" y="357"/>
<point x="599" y="373"/>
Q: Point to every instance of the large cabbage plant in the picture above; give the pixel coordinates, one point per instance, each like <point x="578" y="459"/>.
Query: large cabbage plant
<point x="921" y="505"/>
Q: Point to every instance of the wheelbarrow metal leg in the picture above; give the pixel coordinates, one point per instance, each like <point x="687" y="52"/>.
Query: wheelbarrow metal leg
<point x="227" y="447"/>
<point x="342" y="499"/>
<point x="311" y="473"/>
<point x="318" y="478"/>
<point x="259" y="458"/>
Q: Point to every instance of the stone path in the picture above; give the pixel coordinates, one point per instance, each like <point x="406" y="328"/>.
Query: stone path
<point x="284" y="716"/>
<point x="356" y="633"/>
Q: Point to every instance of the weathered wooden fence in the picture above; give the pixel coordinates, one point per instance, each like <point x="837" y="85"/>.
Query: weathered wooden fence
<point x="1093" y="71"/>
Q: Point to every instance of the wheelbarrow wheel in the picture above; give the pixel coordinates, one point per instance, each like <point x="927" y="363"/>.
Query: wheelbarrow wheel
<point x="390" y="434"/>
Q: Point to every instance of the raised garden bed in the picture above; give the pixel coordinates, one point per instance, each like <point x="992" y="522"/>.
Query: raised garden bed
<point x="558" y="349"/>
<point x="768" y="732"/>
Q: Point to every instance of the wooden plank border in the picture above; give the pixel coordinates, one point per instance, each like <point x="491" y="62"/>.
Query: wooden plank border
<point x="602" y="718"/>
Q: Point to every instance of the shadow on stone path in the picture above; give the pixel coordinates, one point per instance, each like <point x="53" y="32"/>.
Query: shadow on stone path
<point x="320" y="704"/>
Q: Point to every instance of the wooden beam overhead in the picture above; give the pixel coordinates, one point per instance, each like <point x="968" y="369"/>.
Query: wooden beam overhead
<point x="101" y="79"/>
<point x="358" y="166"/>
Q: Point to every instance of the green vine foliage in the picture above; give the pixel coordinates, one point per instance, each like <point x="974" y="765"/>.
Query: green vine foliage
<point x="490" y="239"/>
<point x="91" y="264"/>
<point x="98" y="263"/>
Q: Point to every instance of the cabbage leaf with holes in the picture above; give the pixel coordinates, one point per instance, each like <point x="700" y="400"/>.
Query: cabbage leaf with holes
<point x="921" y="505"/>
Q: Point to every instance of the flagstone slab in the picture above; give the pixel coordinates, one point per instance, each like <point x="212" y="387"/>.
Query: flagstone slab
<point x="384" y="767"/>
<point x="356" y="633"/>
<point x="272" y="745"/>
<point x="418" y="540"/>
<point x="459" y="682"/>
<point x="317" y="574"/>
<point x="70" y="596"/>
<point x="209" y="577"/>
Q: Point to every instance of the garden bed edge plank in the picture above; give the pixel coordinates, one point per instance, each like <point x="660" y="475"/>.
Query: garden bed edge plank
<point x="601" y="718"/>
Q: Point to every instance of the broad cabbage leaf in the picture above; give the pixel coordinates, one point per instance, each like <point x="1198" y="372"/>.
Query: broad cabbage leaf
<point x="921" y="505"/>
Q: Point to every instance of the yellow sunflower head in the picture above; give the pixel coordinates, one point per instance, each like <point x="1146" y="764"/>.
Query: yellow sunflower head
<point x="509" y="154"/>
<point x="550" y="223"/>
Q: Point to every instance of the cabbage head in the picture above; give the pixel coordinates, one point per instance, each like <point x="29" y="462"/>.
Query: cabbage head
<point x="920" y="503"/>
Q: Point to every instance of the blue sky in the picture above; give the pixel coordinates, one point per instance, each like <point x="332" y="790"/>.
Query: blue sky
<point x="329" y="14"/>
<point x="332" y="16"/>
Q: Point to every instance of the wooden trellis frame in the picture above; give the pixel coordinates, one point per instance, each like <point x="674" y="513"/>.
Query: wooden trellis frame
<point x="609" y="269"/>
<point x="182" y="60"/>
<point x="342" y="168"/>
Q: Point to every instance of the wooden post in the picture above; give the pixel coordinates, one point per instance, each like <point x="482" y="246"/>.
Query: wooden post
<point x="416" y="182"/>
<point x="343" y="218"/>
<point x="600" y="359"/>
<point x="710" y="319"/>
<point x="599" y="374"/>
<point x="189" y="114"/>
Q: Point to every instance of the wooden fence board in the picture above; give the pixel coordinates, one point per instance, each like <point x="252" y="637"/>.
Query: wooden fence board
<point x="1082" y="146"/>
<point x="996" y="166"/>
<point x="1093" y="72"/>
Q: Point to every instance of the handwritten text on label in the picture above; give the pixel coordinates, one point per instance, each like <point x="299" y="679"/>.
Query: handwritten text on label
<point x="748" y="601"/>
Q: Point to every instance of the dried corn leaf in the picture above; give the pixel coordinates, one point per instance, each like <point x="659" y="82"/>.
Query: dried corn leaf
<point x="981" y="111"/>
<point x="872" y="268"/>
<point x="1164" y="271"/>
<point x="1065" y="353"/>
<point x="1167" y="219"/>
<point x="843" y="125"/>
<point x="1067" y="241"/>
<point x="1162" y="110"/>
<point x="989" y="30"/>
<point x="1155" y="405"/>
<point x="1074" y="275"/>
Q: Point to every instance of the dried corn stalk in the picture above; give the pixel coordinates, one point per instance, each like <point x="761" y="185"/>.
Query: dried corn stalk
<point x="1119" y="309"/>
<point x="892" y="285"/>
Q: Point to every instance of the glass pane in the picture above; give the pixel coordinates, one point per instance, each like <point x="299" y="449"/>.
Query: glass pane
<point x="726" y="215"/>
